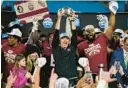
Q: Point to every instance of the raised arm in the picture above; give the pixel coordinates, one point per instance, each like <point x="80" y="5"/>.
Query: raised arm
<point x="57" y="28"/>
<point x="74" y="36"/>
<point x="111" y="26"/>
<point x="34" y="35"/>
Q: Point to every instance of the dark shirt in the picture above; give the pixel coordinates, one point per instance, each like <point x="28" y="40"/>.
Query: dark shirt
<point x="65" y="64"/>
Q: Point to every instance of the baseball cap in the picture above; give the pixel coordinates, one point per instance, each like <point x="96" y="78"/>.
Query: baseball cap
<point x="88" y="27"/>
<point x="62" y="83"/>
<point x="97" y="30"/>
<point x="64" y="35"/>
<point x="16" y="32"/>
<point x="119" y="31"/>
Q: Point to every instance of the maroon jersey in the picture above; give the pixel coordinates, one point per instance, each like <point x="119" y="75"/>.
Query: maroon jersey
<point x="47" y="49"/>
<point x="10" y="53"/>
<point x="4" y="41"/>
<point x="96" y="52"/>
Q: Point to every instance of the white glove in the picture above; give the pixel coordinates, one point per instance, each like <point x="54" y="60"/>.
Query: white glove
<point x="41" y="61"/>
<point x="103" y="21"/>
<point x="113" y="6"/>
<point x="83" y="61"/>
<point x="35" y="25"/>
<point x="11" y="24"/>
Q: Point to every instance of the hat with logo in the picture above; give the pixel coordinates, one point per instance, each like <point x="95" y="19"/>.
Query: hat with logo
<point x="113" y="6"/>
<point x="16" y="32"/>
<point x="119" y="31"/>
<point x="97" y="30"/>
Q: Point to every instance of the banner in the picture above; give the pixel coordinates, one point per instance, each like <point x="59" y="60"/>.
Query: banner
<point x="26" y="11"/>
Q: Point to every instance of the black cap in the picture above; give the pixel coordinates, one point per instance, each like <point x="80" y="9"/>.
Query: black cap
<point x="30" y="48"/>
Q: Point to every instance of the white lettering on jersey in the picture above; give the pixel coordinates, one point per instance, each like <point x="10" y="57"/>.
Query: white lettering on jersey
<point x="9" y="56"/>
<point x="93" y="49"/>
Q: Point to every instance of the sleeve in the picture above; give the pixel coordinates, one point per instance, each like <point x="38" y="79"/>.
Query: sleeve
<point x="46" y="49"/>
<point x="104" y="37"/>
<point x="55" y="41"/>
<point x="113" y="58"/>
<point x="125" y="79"/>
<point x="80" y="50"/>
<point x="113" y="84"/>
<point x="2" y="62"/>
<point x="20" y="81"/>
<point x="33" y="37"/>
<point x="74" y="39"/>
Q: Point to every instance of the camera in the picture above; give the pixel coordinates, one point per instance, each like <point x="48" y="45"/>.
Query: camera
<point x="117" y="64"/>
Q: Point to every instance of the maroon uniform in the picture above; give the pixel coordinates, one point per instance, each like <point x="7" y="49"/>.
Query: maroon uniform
<point x="96" y="52"/>
<point x="47" y="49"/>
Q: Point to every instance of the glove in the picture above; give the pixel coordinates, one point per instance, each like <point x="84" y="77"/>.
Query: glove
<point x="103" y="21"/>
<point x="35" y="25"/>
<point x="11" y="24"/>
<point x="113" y="6"/>
<point x="83" y="61"/>
<point x="41" y="61"/>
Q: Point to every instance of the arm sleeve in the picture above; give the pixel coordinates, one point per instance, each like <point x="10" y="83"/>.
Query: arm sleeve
<point x="112" y="58"/>
<point x="125" y="79"/>
<point x="20" y="82"/>
<point x="55" y="41"/>
<point x="74" y="39"/>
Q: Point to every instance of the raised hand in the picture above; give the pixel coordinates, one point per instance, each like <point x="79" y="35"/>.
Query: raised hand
<point x="53" y="79"/>
<point x="60" y="13"/>
<point x="53" y="76"/>
<point x="10" y="80"/>
<point x="28" y="75"/>
<point x="107" y="77"/>
<point x="72" y="16"/>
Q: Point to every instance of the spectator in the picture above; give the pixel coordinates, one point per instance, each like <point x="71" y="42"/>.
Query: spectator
<point x="115" y="41"/>
<point x="43" y="37"/>
<point x="121" y="55"/>
<point x="64" y="51"/>
<point x="113" y="71"/>
<point x="47" y="52"/>
<point x="95" y="49"/>
<point x="10" y="80"/>
<point x="32" y="53"/>
<point x="20" y="72"/>
<point x="53" y="79"/>
<point x="85" y="82"/>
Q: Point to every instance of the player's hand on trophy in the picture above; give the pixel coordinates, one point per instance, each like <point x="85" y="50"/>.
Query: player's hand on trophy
<point x="60" y="13"/>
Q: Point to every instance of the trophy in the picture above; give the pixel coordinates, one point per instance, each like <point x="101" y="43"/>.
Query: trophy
<point x="66" y="11"/>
